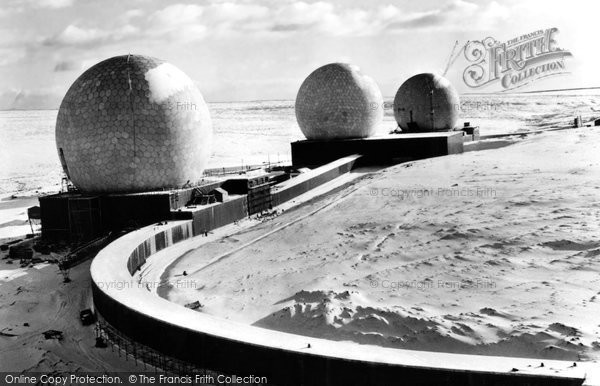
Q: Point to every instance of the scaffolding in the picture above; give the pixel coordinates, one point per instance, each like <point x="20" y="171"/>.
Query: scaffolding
<point x="150" y="359"/>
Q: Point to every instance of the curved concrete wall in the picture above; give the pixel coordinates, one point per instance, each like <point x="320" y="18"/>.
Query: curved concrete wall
<point x="240" y="349"/>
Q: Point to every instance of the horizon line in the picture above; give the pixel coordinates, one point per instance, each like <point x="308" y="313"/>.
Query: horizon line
<point x="498" y="93"/>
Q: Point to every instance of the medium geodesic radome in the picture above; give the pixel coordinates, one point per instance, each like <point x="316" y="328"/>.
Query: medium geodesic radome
<point x="426" y="102"/>
<point x="337" y="101"/>
<point x="133" y="123"/>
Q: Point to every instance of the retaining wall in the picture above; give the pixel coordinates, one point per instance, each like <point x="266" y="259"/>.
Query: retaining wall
<point x="294" y="187"/>
<point x="157" y="242"/>
<point x="209" y="217"/>
<point x="234" y="348"/>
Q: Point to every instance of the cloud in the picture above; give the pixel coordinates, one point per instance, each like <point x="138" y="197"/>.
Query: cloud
<point x="11" y="55"/>
<point x="424" y="21"/>
<point x="66" y="65"/>
<point x="74" y="35"/>
<point x="233" y="12"/>
<point x="226" y="19"/>
<point x="454" y="15"/>
<point x="176" y="14"/>
<point x="23" y="5"/>
<point x="308" y="14"/>
<point x="177" y="22"/>
<point x="53" y="3"/>
<point x="128" y="15"/>
<point x="185" y="23"/>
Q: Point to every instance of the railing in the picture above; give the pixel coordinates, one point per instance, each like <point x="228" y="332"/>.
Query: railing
<point x="211" y="172"/>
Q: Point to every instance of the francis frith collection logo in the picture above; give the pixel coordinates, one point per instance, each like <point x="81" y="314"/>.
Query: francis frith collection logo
<point x="516" y="62"/>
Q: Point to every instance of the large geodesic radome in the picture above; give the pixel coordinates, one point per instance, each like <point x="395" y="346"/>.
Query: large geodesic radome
<point x="133" y="123"/>
<point x="337" y="101"/>
<point x="426" y="102"/>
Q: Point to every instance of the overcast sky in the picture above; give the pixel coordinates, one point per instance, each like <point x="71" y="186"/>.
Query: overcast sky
<point x="254" y="49"/>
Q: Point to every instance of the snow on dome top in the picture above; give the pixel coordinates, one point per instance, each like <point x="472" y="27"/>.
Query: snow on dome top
<point x="166" y="80"/>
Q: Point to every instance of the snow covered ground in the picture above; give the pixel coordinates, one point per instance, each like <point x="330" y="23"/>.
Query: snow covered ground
<point x="493" y="252"/>
<point x="33" y="300"/>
